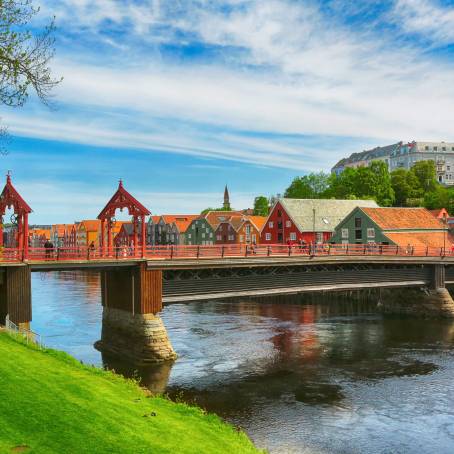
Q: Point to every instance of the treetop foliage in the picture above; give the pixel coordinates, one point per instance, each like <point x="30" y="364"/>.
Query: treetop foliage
<point x="415" y="187"/>
<point x="24" y="56"/>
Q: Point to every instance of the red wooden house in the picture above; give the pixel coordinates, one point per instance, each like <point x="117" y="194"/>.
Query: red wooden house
<point x="309" y="220"/>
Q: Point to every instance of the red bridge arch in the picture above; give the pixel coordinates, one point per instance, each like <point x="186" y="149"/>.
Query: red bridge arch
<point x="120" y="200"/>
<point x="10" y="198"/>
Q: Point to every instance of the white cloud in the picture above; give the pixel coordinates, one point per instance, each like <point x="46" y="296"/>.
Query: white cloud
<point x="427" y="18"/>
<point x="299" y="73"/>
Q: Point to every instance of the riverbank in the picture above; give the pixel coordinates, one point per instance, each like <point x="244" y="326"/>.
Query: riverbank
<point x="49" y="402"/>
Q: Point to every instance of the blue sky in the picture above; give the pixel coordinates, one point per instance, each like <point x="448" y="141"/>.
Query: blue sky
<point x="181" y="97"/>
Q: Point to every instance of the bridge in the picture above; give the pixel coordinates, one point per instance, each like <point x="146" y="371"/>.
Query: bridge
<point x="137" y="281"/>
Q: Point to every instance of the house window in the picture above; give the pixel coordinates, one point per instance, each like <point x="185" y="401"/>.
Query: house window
<point x="357" y="223"/>
<point x="443" y="148"/>
<point x="231" y="237"/>
<point x="427" y="148"/>
<point x="319" y="237"/>
<point x="288" y="223"/>
<point x="435" y="148"/>
<point x="218" y="237"/>
<point x="254" y="238"/>
<point x="279" y="214"/>
<point x="358" y="234"/>
<point x="268" y="236"/>
<point x="345" y="233"/>
<point x="292" y="236"/>
<point x="448" y="167"/>
<point x="279" y="225"/>
<point x="271" y="224"/>
<point x="248" y="229"/>
<point x="189" y="235"/>
<point x="203" y="235"/>
<point x="371" y="233"/>
<point x="211" y="234"/>
<point x="241" y="238"/>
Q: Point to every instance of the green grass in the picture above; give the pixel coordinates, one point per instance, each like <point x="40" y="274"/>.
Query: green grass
<point x="50" y="403"/>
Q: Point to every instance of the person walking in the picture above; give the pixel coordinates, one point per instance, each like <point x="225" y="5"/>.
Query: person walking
<point x="49" y="247"/>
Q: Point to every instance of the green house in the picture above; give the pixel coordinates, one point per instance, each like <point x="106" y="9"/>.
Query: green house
<point x="415" y="227"/>
<point x="199" y="232"/>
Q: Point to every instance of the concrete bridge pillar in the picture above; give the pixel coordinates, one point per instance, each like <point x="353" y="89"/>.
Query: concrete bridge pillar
<point x="131" y="328"/>
<point x="433" y="301"/>
<point x="16" y="295"/>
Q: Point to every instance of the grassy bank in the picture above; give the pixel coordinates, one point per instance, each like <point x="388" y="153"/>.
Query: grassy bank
<point x="50" y="403"/>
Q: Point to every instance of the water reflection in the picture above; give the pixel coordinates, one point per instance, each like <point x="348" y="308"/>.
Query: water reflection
<point x="332" y="377"/>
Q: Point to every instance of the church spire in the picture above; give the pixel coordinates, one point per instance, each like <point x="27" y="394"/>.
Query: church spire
<point x="226" y="205"/>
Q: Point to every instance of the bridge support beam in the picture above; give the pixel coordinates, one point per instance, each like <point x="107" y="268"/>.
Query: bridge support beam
<point x="16" y="295"/>
<point x="433" y="301"/>
<point x="131" y="328"/>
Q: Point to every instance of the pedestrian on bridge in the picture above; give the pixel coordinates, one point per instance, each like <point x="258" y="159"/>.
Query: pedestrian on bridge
<point x="49" y="247"/>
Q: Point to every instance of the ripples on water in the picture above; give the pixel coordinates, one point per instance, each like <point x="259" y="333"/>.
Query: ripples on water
<point x="327" y="378"/>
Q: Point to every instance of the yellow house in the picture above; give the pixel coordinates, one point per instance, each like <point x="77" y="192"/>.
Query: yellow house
<point x="88" y="231"/>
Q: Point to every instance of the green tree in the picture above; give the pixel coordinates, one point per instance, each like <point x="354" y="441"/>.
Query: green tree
<point x="311" y="186"/>
<point x="206" y="210"/>
<point x="380" y="187"/>
<point x="24" y="56"/>
<point x="426" y="174"/>
<point x="261" y="207"/>
<point x="343" y="186"/>
<point x="401" y="186"/>
<point x="440" y="197"/>
<point x="407" y="188"/>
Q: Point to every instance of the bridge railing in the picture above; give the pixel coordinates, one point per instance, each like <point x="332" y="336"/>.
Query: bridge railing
<point x="171" y="252"/>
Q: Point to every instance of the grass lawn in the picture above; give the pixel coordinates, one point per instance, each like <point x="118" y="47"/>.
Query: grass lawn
<point x="50" y="403"/>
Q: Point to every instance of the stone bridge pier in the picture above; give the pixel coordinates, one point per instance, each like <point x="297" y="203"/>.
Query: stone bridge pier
<point x="131" y="328"/>
<point x="431" y="301"/>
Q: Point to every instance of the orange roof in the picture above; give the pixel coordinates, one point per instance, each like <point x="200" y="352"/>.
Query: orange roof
<point x="214" y="218"/>
<point x="40" y="232"/>
<point x="170" y="218"/>
<point x="419" y="239"/>
<point x="258" y="221"/>
<point x="182" y="226"/>
<point x="155" y="219"/>
<point x="90" y="225"/>
<point x="116" y="227"/>
<point x="403" y="218"/>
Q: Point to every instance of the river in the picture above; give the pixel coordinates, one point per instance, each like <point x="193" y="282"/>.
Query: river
<point x="298" y="378"/>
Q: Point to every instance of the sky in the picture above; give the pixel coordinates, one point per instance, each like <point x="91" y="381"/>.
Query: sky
<point x="179" y="98"/>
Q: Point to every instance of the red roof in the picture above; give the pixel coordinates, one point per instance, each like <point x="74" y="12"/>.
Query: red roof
<point x="440" y="213"/>
<point x="403" y="218"/>
<point x="123" y="199"/>
<point x="10" y="197"/>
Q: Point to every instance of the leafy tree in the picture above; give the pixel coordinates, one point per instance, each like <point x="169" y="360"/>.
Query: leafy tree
<point x="206" y="210"/>
<point x="407" y="188"/>
<point x="426" y="174"/>
<point x="441" y="197"/>
<point x="261" y="207"/>
<point x="24" y="56"/>
<point x="343" y="186"/>
<point x="311" y="186"/>
<point x="380" y="187"/>
<point x="401" y="186"/>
